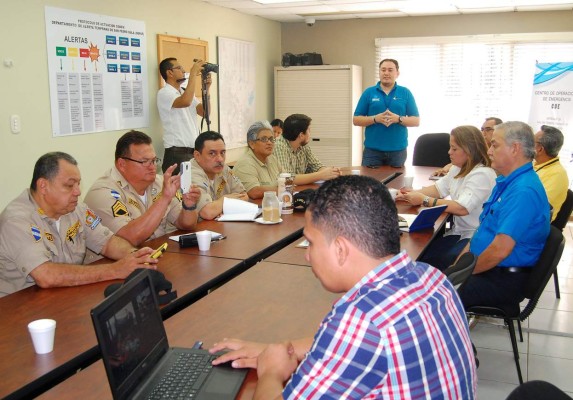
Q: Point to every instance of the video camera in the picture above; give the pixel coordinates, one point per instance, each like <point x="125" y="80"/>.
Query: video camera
<point x="208" y="67"/>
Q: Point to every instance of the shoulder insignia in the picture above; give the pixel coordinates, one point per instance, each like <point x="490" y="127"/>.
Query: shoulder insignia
<point x="154" y="199"/>
<point x="36" y="233"/>
<point x="115" y="194"/>
<point x="119" y="209"/>
<point x="73" y="231"/>
<point x="220" y="189"/>
<point x="49" y="236"/>
<point x="179" y="195"/>
<point x="134" y="203"/>
<point x="41" y="211"/>
<point x="92" y="220"/>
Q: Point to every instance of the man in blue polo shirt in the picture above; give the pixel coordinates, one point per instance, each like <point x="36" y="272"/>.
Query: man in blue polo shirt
<point x="386" y="110"/>
<point x="514" y="223"/>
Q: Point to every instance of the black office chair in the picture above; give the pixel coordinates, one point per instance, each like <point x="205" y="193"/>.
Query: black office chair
<point x="431" y="150"/>
<point x="459" y="273"/>
<point x="560" y="222"/>
<point x="535" y="390"/>
<point x="538" y="278"/>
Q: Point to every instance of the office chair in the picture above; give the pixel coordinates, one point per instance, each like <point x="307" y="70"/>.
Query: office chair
<point x="431" y="150"/>
<point x="534" y="390"/>
<point x="560" y="222"/>
<point x="538" y="278"/>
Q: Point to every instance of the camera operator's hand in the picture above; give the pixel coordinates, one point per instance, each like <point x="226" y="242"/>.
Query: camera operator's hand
<point x="197" y="68"/>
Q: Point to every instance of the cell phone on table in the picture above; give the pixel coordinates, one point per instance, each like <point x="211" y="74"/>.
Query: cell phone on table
<point x="185" y="170"/>
<point x="159" y="251"/>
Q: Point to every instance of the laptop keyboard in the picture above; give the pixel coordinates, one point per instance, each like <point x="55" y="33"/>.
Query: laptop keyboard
<point x="184" y="378"/>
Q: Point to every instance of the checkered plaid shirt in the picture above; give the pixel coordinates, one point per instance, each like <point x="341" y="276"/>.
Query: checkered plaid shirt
<point x="299" y="161"/>
<point x="399" y="333"/>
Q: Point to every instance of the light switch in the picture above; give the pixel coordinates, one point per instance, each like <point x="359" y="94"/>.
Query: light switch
<point x="15" y="125"/>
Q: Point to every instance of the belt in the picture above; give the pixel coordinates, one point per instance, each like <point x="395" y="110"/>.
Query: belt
<point x="176" y="149"/>
<point x="515" y="270"/>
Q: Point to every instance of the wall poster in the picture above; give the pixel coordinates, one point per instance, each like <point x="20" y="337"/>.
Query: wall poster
<point x="97" y="75"/>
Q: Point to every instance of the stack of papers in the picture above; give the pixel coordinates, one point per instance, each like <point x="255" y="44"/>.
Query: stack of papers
<point x="239" y="210"/>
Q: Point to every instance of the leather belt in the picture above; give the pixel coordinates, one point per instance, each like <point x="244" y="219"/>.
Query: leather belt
<point x="515" y="270"/>
<point x="180" y="149"/>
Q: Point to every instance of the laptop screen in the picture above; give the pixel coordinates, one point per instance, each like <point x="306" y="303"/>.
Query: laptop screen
<point x="130" y="334"/>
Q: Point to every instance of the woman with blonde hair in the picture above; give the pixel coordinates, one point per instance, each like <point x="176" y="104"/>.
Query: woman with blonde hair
<point x="468" y="184"/>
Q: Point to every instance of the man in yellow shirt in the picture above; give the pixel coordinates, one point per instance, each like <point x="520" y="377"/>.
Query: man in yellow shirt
<point x="548" y="142"/>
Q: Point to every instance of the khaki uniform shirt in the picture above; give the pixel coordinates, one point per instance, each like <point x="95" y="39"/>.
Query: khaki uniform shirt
<point x="117" y="203"/>
<point x="253" y="172"/>
<point x="299" y="161"/>
<point x="211" y="190"/>
<point x="28" y="239"/>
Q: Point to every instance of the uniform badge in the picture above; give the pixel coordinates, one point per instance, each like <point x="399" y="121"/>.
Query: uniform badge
<point x="153" y="191"/>
<point x="49" y="236"/>
<point x="119" y="209"/>
<point x="154" y="198"/>
<point x="36" y="233"/>
<point x="115" y="194"/>
<point x="178" y="195"/>
<point x="92" y="220"/>
<point x="73" y="231"/>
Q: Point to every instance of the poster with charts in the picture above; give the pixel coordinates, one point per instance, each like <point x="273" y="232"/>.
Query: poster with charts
<point x="552" y="99"/>
<point x="97" y="75"/>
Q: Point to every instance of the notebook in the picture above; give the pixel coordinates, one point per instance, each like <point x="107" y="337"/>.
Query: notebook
<point x="426" y="218"/>
<point x="136" y="354"/>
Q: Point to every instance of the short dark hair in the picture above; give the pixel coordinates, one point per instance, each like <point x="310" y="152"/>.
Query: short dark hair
<point x="277" y="122"/>
<point x="495" y="119"/>
<point x="207" y="135"/>
<point x="390" y="60"/>
<point x="129" y="138"/>
<point x="47" y="166"/>
<point x="360" y="209"/>
<point x="165" y="66"/>
<point x="551" y="140"/>
<point x="294" y="125"/>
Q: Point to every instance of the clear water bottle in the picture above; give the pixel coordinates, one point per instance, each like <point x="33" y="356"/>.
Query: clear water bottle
<point x="271" y="212"/>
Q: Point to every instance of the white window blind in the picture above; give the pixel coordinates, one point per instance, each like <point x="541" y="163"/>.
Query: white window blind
<point x="463" y="80"/>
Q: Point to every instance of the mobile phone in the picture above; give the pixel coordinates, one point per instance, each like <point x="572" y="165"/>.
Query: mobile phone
<point x="160" y="250"/>
<point x="185" y="169"/>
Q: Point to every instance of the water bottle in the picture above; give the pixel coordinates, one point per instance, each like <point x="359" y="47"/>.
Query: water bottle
<point x="271" y="211"/>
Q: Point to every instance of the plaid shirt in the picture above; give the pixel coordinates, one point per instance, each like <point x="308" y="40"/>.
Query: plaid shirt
<point x="299" y="161"/>
<point x="399" y="333"/>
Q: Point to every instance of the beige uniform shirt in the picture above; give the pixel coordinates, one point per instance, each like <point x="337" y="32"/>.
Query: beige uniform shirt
<point x="28" y="238"/>
<point x="224" y="183"/>
<point x="253" y="172"/>
<point x="117" y="203"/>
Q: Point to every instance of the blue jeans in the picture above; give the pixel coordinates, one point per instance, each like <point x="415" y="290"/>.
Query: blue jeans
<point x="372" y="157"/>
<point x="443" y="251"/>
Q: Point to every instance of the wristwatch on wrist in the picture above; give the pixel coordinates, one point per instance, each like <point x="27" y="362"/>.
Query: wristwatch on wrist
<point x="374" y="119"/>
<point x="192" y="208"/>
<point x="400" y="120"/>
<point x="426" y="201"/>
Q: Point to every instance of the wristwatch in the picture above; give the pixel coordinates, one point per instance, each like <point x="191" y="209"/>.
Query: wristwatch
<point x="192" y="208"/>
<point x="426" y="201"/>
<point x="400" y="120"/>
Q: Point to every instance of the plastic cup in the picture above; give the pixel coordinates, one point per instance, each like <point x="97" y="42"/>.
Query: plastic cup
<point x="42" y="332"/>
<point x="204" y="240"/>
<point x="408" y="182"/>
<point x="393" y="193"/>
<point x="281" y="207"/>
<point x="355" y="172"/>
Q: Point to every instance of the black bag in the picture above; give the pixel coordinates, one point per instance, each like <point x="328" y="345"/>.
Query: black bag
<point x="160" y="284"/>
<point x="290" y="59"/>
<point x="311" y="59"/>
<point x="302" y="199"/>
<point x="188" y="240"/>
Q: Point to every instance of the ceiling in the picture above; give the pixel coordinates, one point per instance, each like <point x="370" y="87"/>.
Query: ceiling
<point x="325" y="10"/>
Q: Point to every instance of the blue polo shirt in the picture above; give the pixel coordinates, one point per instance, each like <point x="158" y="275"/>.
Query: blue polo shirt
<point x="517" y="207"/>
<point x="374" y="101"/>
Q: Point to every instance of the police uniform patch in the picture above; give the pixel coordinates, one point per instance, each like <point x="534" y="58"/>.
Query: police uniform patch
<point x="73" y="231"/>
<point x="49" y="236"/>
<point x="115" y="194"/>
<point x="153" y="191"/>
<point x="119" y="209"/>
<point x="92" y="220"/>
<point x="134" y="203"/>
<point x="154" y="199"/>
<point x="36" y="233"/>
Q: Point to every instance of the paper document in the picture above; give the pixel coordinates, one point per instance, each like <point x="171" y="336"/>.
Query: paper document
<point x="239" y="210"/>
<point x="214" y="235"/>
<point x="303" y="244"/>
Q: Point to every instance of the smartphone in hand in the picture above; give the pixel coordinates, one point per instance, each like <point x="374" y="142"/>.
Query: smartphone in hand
<point x="185" y="169"/>
<point x="159" y="251"/>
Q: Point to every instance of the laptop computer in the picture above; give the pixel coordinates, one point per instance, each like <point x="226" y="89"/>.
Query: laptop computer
<point x="426" y="218"/>
<point x="137" y="356"/>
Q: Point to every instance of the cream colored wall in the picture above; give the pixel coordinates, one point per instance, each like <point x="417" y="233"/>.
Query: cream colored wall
<point x="25" y="90"/>
<point x="352" y="41"/>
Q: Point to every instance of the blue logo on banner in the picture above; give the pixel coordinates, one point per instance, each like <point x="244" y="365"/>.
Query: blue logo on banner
<point x="136" y="56"/>
<point x="136" y="69"/>
<point x="135" y="43"/>
<point x="123" y="41"/>
<point x="124" y="68"/>
<point x="110" y="39"/>
<point x="112" y="68"/>
<point x="111" y="54"/>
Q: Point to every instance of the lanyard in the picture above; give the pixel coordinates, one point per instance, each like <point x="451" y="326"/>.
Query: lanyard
<point x="552" y="162"/>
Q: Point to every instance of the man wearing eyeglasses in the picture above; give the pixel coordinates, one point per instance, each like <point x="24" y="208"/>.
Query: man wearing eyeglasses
<point x="487" y="129"/>
<point x="178" y="110"/>
<point x="137" y="203"/>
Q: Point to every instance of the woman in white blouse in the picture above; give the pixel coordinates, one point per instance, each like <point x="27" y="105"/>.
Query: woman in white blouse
<point x="468" y="184"/>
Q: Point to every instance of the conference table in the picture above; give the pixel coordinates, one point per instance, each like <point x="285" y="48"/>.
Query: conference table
<point x="193" y="273"/>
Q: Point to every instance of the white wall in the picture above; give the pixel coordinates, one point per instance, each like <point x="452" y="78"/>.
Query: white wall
<point x="25" y="89"/>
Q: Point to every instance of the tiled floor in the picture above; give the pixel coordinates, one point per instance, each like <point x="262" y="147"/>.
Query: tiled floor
<point x="547" y="349"/>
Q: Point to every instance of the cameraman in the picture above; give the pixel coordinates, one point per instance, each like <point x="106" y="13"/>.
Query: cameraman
<point x="178" y="110"/>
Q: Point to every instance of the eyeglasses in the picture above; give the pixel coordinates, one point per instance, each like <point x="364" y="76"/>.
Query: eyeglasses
<point x="177" y="67"/>
<point x="266" y="139"/>
<point x="145" y="163"/>
<point x="487" y="129"/>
